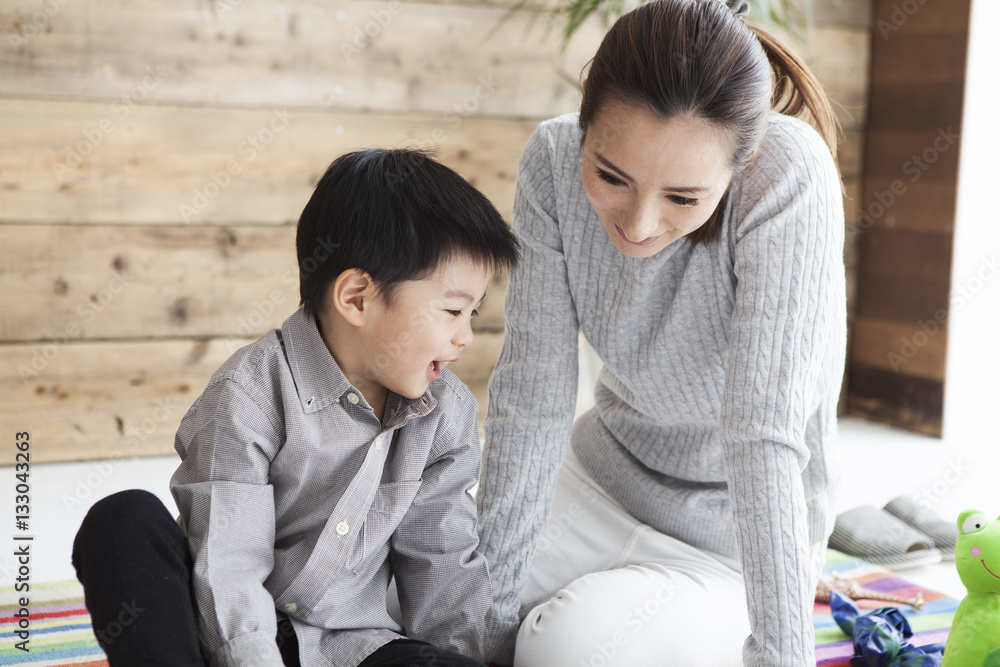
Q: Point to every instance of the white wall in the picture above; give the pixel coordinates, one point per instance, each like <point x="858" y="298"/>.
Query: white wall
<point x="972" y="389"/>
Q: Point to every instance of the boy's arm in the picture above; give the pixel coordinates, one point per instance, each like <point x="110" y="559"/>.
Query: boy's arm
<point x="443" y="581"/>
<point x="226" y="443"/>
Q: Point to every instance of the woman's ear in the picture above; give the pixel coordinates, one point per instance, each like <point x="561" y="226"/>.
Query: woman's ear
<point x="351" y="295"/>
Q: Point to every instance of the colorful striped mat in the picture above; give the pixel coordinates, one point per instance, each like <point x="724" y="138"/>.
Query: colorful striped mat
<point x="930" y="625"/>
<point x="60" y="632"/>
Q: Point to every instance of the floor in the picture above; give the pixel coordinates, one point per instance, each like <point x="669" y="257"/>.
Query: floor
<point x="880" y="463"/>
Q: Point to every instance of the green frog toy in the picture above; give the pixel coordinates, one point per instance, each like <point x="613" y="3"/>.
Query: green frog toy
<point x="974" y="640"/>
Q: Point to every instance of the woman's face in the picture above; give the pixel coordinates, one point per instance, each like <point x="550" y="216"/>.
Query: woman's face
<point x="653" y="181"/>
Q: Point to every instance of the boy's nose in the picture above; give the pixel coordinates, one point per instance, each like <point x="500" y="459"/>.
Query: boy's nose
<point x="464" y="335"/>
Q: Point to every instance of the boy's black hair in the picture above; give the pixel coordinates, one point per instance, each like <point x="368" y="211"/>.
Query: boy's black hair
<point x="395" y="214"/>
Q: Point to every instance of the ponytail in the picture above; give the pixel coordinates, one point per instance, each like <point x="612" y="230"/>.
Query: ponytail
<point x="797" y="92"/>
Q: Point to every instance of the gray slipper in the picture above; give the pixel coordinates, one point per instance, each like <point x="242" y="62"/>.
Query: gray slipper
<point x="879" y="537"/>
<point x="920" y="516"/>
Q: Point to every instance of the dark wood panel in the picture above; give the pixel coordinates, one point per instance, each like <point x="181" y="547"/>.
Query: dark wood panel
<point x="918" y="59"/>
<point x="929" y="155"/>
<point x="904" y="204"/>
<point x="904" y="300"/>
<point x="905" y="255"/>
<point x="904" y="230"/>
<point x="916" y="349"/>
<point x="899" y="400"/>
<point x="908" y="107"/>
<point x="894" y="18"/>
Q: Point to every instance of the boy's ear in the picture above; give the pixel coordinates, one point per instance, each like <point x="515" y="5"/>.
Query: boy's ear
<point x="351" y="294"/>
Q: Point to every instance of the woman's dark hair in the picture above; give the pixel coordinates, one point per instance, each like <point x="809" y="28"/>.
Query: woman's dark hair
<point x="396" y="215"/>
<point x="697" y="58"/>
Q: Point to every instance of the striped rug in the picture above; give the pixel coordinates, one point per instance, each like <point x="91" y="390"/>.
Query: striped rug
<point x="930" y="625"/>
<point x="60" y="632"/>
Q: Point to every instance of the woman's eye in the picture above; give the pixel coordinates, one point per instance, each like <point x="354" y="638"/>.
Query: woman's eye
<point x="608" y="178"/>
<point x="475" y="313"/>
<point x="683" y="201"/>
<point x="455" y="313"/>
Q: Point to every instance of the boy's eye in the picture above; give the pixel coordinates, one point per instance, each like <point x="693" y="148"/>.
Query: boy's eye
<point x="608" y="178"/>
<point x="683" y="201"/>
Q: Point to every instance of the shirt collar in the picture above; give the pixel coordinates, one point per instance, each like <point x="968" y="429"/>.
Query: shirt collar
<point x="319" y="380"/>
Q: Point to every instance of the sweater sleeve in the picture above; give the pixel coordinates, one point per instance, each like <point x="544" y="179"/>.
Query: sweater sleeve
<point x="790" y="287"/>
<point x="532" y="396"/>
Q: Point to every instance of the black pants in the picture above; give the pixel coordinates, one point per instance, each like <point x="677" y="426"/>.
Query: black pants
<point x="135" y="567"/>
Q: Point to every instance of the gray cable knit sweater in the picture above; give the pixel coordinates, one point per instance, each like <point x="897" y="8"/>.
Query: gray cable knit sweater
<point x="716" y="407"/>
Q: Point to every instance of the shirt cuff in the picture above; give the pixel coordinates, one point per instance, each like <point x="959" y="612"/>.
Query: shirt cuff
<point x="257" y="649"/>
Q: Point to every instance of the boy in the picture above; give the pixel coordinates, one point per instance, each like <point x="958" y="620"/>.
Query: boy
<point x="328" y="456"/>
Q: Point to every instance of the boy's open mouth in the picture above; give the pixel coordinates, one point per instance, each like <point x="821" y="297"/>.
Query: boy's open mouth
<point x="435" y="367"/>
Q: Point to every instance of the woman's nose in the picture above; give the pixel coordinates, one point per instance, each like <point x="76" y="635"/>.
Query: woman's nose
<point x="640" y="221"/>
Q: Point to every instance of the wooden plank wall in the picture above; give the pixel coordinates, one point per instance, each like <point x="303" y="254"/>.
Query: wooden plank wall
<point x="897" y="368"/>
<point x="154" y="158"/>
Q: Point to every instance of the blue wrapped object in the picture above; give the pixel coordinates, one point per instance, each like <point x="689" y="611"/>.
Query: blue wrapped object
<point x="880" y="636"/>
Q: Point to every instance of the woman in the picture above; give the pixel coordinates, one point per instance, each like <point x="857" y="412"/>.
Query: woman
<point x="695" y="237"/>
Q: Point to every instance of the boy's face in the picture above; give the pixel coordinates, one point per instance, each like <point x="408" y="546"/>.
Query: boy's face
<point x="409" y="342"/>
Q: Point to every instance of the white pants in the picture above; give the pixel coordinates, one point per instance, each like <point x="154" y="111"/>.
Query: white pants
<point x="604" y="590"/>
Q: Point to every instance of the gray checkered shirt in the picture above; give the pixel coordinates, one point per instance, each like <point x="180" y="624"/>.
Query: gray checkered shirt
<point x="297" y="502"/>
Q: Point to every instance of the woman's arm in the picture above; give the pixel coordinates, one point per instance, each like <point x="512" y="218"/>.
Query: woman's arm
<point x="787" y="335"/>
<point x="532" y="395"/>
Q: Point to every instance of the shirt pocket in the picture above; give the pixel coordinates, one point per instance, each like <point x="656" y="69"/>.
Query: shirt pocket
<point x="390" y="505"/>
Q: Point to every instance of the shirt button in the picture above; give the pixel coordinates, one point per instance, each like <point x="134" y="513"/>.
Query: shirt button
<point x="291" y="607"/>
<point x="342" y="528"/>
<point x="378" y="443"/>
<point x="353" y="398"/>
